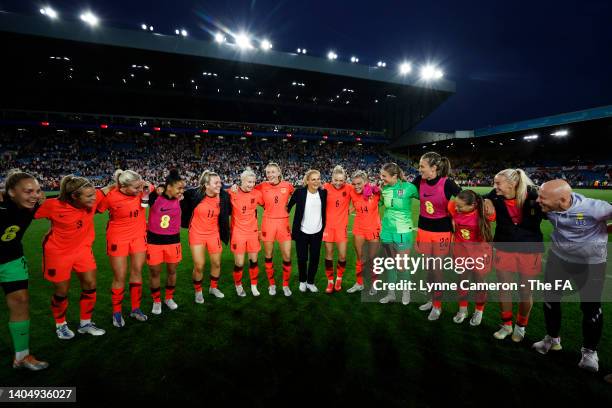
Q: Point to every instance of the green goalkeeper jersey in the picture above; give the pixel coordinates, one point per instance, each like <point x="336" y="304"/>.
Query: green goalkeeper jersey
<point x="397" y="200"/>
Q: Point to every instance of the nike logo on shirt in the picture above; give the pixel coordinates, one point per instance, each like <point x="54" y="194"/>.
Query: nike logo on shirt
<point x="164" y="209"/>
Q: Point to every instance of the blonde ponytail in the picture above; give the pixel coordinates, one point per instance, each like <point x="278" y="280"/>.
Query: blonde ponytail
<point x="124" y="178"/>
<point x="339" y="170"/>
<point x="521" y="182"/>
<point x="205" y="178"/>
<point x="72" y="184"/>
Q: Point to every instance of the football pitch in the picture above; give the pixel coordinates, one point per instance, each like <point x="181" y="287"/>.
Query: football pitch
<point x="310" y="348"/>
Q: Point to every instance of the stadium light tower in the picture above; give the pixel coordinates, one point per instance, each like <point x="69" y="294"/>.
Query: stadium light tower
<point x="354" y="60"/>
<point x="90" y="18"/>
<point x="181" y="31"/>
<point x="405" y="68"/>
<point x="49" y="12"/>
<point x="332" y="55"/>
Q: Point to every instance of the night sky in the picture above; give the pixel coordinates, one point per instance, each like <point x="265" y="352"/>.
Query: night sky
<point x="510" y="60"/>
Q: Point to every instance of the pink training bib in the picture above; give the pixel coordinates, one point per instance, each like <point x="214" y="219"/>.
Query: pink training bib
<point x="433" y="200"/>
<point x="165" y="216"/>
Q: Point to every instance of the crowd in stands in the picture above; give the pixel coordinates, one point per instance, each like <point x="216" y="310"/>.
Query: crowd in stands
<point x="97" y="156"/>
<point x="51" y="155"/>
<point x="479" y="169"/>
<point x="587" y="176"/>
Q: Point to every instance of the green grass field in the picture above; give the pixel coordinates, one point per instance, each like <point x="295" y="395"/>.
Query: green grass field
<point x="309" y="348"/>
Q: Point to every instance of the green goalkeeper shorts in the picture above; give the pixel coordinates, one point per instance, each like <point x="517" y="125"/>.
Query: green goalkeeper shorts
<point x="16" y="270"/>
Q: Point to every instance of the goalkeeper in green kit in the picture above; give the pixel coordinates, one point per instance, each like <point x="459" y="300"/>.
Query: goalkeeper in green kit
<point x="397" y="235"/>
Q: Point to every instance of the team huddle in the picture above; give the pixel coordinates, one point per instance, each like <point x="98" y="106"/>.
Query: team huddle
<point x="452" y="222"/>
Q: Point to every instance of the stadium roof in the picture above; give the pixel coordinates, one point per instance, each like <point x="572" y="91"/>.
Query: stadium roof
<point x="547" y="121"/>
<point x="598" y="119"/>
<point x="75" y="68"/>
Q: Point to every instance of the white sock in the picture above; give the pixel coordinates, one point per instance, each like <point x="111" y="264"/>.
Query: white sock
<point x="58" y="325"/>
<point x="20" y="355"/>
<point x="84" y="322"/>
<point x="463" y="310"/>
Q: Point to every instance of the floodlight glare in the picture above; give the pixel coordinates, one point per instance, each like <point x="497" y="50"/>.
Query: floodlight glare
<point x="266" y="45"/>
<point x="49" y="12"/>
<point x="90" y="18"/>
<point x="220" y="38"/>
<point x="405" y="68"/>
<point x="243" y="41"/>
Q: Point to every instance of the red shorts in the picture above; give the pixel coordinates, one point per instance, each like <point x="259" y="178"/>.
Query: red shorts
<point x="368" y="235"/>
<point x="433" y="243"/>
<point x="528" y="264"/>
<point x="480" y="254"/>
<point x="275" y="229"/>
<point x="158" y="254"/>
<point x="116" y="247"/>
<point x="337" y="235"/>
<point x="58" y="266"/>
<point x="211" y="242"/>
<point x="242" y="243"/>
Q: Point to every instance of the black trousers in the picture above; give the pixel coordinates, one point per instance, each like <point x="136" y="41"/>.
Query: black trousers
<point x="588" y="280"/>
<point x="308" y="248"/>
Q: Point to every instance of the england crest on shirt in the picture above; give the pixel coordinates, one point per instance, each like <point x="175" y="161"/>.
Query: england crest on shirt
<point x="580" y="219"/>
